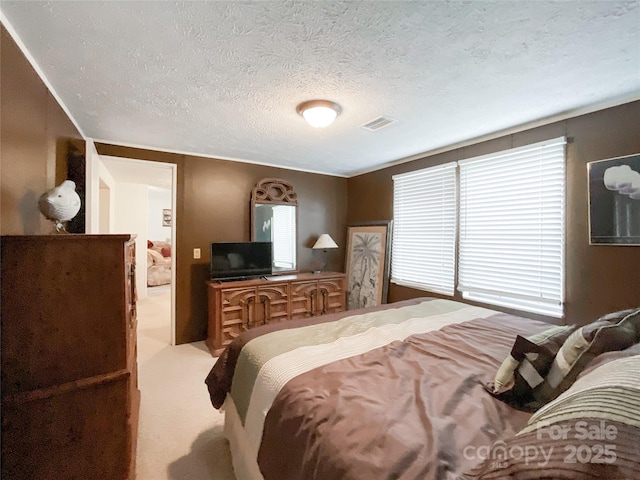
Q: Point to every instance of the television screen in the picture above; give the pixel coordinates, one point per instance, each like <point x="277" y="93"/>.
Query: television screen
<point x="235" y="260"/>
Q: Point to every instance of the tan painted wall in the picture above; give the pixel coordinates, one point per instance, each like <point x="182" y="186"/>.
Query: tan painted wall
<point x="213" y="206"/>
<point x="34" y="139"/>
<point x="599" y="278"/>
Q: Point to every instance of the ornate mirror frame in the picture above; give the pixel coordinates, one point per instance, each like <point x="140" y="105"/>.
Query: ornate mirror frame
<point x="274" y="192"/>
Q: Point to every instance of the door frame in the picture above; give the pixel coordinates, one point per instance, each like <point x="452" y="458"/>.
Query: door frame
<point x="92" y="208"/>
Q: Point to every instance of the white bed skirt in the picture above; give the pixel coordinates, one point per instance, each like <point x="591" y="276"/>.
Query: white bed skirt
<point x="245" y="467"/>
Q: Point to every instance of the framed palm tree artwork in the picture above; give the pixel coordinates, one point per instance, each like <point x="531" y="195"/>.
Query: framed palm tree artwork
<point x="367" y="263"/>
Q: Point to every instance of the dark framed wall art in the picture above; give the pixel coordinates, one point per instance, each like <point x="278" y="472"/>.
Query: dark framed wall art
<point x="367" y="263"/>
<point x="614" y="201"/>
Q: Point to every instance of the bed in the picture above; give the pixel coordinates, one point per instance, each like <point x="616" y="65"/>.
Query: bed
<point x="401" y="391"/>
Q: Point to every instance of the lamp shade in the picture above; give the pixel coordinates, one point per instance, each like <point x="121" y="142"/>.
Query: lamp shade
<point x="319" y="113"/>
<point x="324" y="241"/>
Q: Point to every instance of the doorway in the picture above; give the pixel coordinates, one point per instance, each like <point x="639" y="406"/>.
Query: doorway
<point x="139" y="196"/>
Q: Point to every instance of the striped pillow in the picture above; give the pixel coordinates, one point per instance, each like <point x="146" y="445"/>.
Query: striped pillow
<point x="612" y="332"/>
<point x="527" y="365"/>
<point x="592" y="430"/>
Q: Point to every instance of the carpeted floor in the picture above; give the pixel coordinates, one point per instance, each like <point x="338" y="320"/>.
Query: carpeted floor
<point x="180" y="434"/>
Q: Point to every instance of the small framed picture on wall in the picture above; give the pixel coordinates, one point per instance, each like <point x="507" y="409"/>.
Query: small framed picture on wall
<point x="166" y="217"/>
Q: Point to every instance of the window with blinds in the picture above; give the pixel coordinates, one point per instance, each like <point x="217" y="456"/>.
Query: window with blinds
<point x="511" y="246"/>
<point x="424" y="229"/>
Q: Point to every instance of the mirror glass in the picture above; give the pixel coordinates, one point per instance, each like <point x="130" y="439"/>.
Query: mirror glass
<point x="273" y="219"/>
<point x="277" y="224"/>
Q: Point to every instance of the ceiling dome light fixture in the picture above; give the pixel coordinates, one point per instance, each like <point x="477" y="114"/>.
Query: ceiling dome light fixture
<point x="319" y="113"/>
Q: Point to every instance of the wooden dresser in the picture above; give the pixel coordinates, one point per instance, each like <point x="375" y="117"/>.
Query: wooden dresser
<point x="70" y="397"/>
<point x="237" y="306"/>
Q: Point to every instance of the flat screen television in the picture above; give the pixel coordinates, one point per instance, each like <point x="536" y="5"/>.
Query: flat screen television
<point x="236" y="260"/>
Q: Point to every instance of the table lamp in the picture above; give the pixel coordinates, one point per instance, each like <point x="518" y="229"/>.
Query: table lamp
<point x="323" y="243"/>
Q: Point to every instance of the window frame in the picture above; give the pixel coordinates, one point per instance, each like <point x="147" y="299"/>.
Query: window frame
<point x="552" y="306"/>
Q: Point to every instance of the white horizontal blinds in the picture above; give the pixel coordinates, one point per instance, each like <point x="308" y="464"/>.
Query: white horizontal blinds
<point x="284" y="228"/>
<point x="511" y="249"/>
<point x="424" y="229"/>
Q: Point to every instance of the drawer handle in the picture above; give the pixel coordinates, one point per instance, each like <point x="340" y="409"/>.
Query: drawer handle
<point x="325" y="300"/>
<point x="266" y="305"/>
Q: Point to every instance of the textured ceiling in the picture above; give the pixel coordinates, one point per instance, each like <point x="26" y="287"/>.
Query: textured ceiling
<point x="223" y="78"/>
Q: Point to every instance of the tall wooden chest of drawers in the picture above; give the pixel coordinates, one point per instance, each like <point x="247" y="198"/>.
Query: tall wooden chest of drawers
<point x="70" y="395"/>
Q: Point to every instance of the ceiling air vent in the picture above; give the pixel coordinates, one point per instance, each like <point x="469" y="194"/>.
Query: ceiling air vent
<point x="378" y="123"/>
